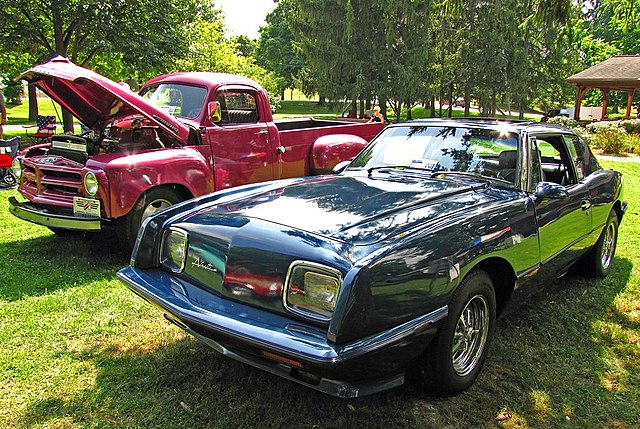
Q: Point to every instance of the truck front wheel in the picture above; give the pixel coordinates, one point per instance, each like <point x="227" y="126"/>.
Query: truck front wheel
<point x="148" y="204"/>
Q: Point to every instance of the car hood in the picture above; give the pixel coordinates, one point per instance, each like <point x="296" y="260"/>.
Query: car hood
<point x="354" y="209"/>
<point x="95" y="100"/>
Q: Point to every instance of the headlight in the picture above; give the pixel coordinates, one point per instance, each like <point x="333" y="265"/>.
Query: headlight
<point x="312" y="290"/>
<point x="91" y="183"/>
<point x="174" y="249"/>
<point x="16" y="168"/>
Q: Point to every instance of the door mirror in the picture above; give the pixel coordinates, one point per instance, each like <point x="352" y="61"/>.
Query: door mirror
<point x="551" y="190"/>
<point x="340" y="167"/>
<point x="214" y="112"/>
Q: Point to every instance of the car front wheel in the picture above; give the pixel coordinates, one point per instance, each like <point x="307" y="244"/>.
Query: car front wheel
<point x="151" y="202"/>
<point x="460" y="348"/>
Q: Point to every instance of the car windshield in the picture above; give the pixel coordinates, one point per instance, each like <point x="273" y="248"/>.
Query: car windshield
<point x="487" y="152"/>
<point x="176" y="99"/>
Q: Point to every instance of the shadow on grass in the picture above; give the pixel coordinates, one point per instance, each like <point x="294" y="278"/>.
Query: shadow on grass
<point x="546" y="368"/>
<point x="47" y="263"/>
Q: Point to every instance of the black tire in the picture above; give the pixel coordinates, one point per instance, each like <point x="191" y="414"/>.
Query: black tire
<point x="600" y="258"/>
<point x="470" y="325"/>
<point x="151" y="202"/>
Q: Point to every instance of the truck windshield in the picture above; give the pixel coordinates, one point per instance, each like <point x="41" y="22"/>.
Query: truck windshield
<point x="176" y="99"/>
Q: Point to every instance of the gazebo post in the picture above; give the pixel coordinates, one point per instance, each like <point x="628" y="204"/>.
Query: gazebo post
<point x="582" y="90"/>
<point x="605" y="103"/>
<point x="630" y="95"/>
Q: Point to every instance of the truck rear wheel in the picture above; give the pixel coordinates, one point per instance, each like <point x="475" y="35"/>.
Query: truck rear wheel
<point x="149" y="203"/>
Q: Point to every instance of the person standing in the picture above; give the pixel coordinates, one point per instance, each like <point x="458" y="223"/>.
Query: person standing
<point x="3" y="107"/>
<point x="377" y="115"/>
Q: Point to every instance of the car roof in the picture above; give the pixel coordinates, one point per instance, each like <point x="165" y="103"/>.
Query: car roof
<point x="512" y="125"/>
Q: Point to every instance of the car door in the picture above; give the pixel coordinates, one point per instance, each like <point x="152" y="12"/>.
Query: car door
<point x="564" y="221"/>
<point x="240" y="142"/>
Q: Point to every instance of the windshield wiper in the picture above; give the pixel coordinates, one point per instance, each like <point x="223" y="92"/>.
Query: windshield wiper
<point x="395" y="167"/>
<point x="470" y="175"/>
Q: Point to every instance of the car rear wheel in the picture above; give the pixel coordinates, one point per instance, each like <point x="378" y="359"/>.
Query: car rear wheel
<point x="150" y="203"/>
<point x="600" y="259"/>
<point x="460" y="347"/>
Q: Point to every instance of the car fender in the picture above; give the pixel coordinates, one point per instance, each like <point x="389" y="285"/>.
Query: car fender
<point x="131" y="176"/>
<point x="329" y="150"/>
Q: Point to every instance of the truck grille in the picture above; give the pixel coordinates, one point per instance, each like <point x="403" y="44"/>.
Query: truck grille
<point x="53" y="177"/>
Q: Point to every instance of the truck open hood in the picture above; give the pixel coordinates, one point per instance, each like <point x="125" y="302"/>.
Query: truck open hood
<point x="96" y="100"/>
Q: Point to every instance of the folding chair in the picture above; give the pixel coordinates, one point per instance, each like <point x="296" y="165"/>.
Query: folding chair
<point x="46" y="128"/>
<point x="8" y="151"/>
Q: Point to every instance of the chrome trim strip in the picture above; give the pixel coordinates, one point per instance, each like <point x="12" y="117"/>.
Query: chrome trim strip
<point x="24" y="212"/>
<point x="390" y="336"/>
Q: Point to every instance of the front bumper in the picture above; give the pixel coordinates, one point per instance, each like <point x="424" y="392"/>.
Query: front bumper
<point x="254" y="336"/>
<point x="29" y="212"/>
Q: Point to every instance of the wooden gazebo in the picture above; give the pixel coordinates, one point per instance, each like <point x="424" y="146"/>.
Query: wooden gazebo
<point x="619" y="73"/>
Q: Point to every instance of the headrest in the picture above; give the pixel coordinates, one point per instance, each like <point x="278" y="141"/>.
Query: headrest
<point x="508" y="159"/>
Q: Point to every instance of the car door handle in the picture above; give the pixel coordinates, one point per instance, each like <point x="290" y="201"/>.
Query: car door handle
<point x="263" y="132"/>
<point x="585" y="205"/>
<point x="281" y="149"/>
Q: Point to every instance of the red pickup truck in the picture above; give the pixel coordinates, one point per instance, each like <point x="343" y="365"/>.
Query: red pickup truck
<point x="183" y="135"/>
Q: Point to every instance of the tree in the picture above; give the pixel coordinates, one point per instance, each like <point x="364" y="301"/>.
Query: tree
<point x="275" y="48"/>
<point x="143" y="35"/>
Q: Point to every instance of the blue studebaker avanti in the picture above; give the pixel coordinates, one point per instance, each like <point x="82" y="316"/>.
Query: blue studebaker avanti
<point x="400" y="262"/>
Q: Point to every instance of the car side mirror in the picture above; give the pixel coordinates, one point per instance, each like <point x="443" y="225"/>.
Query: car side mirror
<point x="551" y="190"/>
<point x="213" y="109"/>
<point x="340" y="167"/>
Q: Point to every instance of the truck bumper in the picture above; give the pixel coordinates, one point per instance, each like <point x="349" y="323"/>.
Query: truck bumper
<point x="30" y="213"/>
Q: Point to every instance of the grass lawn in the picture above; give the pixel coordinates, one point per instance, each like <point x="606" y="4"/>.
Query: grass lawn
<point x="79" y="350"/>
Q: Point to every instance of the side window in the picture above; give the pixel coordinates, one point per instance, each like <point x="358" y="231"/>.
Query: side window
<point x="237" y="106"/>
<point x="556" y="161"/>
<point x="576" y="151"/>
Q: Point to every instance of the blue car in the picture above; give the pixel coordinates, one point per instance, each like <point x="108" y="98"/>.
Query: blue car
<point x="397" y="265"/>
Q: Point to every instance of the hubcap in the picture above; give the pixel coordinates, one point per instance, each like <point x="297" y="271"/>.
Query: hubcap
<point x="470" y="336"/>
<point x="154" y="207"/>
<point x="608" y="243"/>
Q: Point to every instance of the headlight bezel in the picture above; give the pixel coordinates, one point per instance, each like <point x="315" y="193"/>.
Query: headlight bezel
<point x="291" y="299"/>
<point x="90" y="183"/>
<point x="176" y="267"/>
<point x="16" y="169"/>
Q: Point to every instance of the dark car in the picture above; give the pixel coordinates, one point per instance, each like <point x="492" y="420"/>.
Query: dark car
<point x="397" y="265"/>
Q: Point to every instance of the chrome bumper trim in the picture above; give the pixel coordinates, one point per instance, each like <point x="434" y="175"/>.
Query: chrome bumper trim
<point x="26" y="211"/>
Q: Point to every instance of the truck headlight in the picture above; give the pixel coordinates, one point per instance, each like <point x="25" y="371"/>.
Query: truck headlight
<point x="312" y="290"/>
<point x="91" y="183"/>
<point x="174" y="249"/>
<point x="16" y="168"/>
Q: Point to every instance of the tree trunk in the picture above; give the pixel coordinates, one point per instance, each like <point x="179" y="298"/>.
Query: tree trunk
<point x="67" y="120"/>
<point x="433" y="106"/>
<point x="322" y="101"/>
<point x="33" y="103"/>
<point x="467" y="100"/>
<point x="409" y="117"/>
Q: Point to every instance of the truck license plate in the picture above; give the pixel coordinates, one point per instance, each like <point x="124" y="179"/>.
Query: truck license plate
<point x="86" y="207"/>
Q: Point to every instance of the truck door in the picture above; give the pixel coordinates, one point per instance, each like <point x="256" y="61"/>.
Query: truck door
<point x="563" y="223"/>
<point x="240" y="144"/>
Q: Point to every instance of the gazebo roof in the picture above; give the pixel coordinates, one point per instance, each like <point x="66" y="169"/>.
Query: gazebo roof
<point x="620" y="73"/>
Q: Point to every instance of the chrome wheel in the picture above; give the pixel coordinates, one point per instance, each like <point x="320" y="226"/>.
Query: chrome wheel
<point x="154" y="207"/>
<point x="608" y="246"/>
<point x="470" y="335"/>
